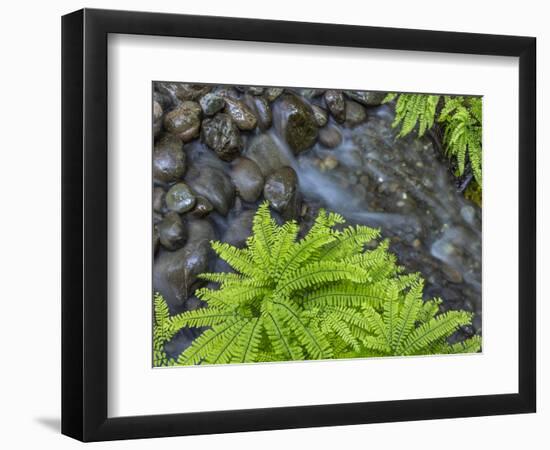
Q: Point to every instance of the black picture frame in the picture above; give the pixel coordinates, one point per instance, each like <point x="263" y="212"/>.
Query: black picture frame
<point x="84" y="224"/>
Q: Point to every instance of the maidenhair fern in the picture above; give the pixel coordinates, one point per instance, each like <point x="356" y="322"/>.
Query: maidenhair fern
<point x="162" y="332"/>
<point x="459" y="116"/>
<point x="324" y="296"/>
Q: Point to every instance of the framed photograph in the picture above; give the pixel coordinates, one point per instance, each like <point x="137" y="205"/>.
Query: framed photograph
<point x="274" y="225"/>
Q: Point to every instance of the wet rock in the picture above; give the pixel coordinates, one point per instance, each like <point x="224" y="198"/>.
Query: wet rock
<point x="191" y="92"/>
<point x="262" y="110"/>
<point x="168" y="159"/>
<point x="166" y="92"/>
<point x="265" y="152"/>
<point x="255" y="90"/>
<point x="241" y="114"/>
<point x="311" y="92"/>
<point x="180" y="199"/>
<point x="172" y="233"/>
<point x="157" y="118"/>
<point x="355" y="113"/>
<point x="367" y="98"/>
<point x="163" y="99"/>
<point x="156" y="239"/>
<point x="222" y="136"/>
<point x="182" y="339"/>
<point x="336" y="105"/>
<point x="329" y="163"/>
<point x="272" y="93"/>
<point x="175" y="273"/>
<point x="239" y="229"/>
<point x="157" y="217"/>
<point x="215" y="186"/>
<point x="211" y="104"/>
<point x="226" y="91"/>
<point x="298" y="123"/>
<point x="280" y="191"/>
<point x="184" y="121"/>
<point x="452" y="274"/>
<point x="330" y="137"/>
<point x="194" y="303"/>
<point x="320" y="114"/>
<point x="247" y="178"/>
<point x="202" y="208"/>
<point x="158" y="199"/>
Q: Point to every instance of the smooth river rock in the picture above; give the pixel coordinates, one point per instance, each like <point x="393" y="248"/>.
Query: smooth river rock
<point x="265" y="152"/>
<point x="298" y="123"/>
<point x="355" y="113"/>
<point x="247" y="178"/>
<point x="184" y="121"/>
<point x="158" y="199"/>
<point x="330" y="137"/>
<point x="280" y="191"/>
<point x="261" y="109"/>
<point x="175" y="273"/>
<point x="172" y="232"/>
<point x="168" y="159"/>
<point x="241" y="114"/>
<point x="321" y="115"/>
<point x="367" y="98"/>
<point x="214" y="185"/>
<point x="336" y="105"/>
<point x="202" y="208"/>
<point x="186" y="91"/>
<point x="179" y="198"/>
<point x="272" y="93"/>
<point x="157" y="118"/>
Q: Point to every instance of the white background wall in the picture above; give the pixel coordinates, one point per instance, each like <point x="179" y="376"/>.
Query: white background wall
<point x="30" y="226"/>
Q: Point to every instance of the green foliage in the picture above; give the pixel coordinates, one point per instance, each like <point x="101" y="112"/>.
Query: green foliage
<point x="324" y="296"/>
<point x="461" y="118"/>
<point x="473" y="193"/>
<point x="162" y="332"/>
<point x="413" y="109"/>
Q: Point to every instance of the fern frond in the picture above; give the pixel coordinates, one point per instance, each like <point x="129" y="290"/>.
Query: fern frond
<point x="319" y="236"/>
<point x="208" y="342"/>
<point x="347" y="294"/>
<point x="162" y="331"/>
<point x="239" y="259"/>
<point x="350" y="241"/>
<point x="280" y="338"/>
<point x="264" y="235"/>
<point x="408" y="315"/>
<point x="249" y="341"/>
<point x="318" y="273"/>
<point x="413" y="109"/>
<point x="431" y="331"/>
<point x="202" y="317"/>
<point x="314" y="341"/>
<point x="471" y="345"/>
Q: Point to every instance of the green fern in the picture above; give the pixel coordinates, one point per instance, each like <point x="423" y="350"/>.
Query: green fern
<point x="460" y="116"/>
<point x="320" y="297"/>
<point x="162" y="332"/>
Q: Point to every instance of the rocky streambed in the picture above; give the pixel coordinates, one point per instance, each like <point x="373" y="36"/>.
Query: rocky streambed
<point x="221" y="150"/>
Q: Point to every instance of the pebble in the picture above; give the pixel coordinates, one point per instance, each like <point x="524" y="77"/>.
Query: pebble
<point x="180" y="199"/>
